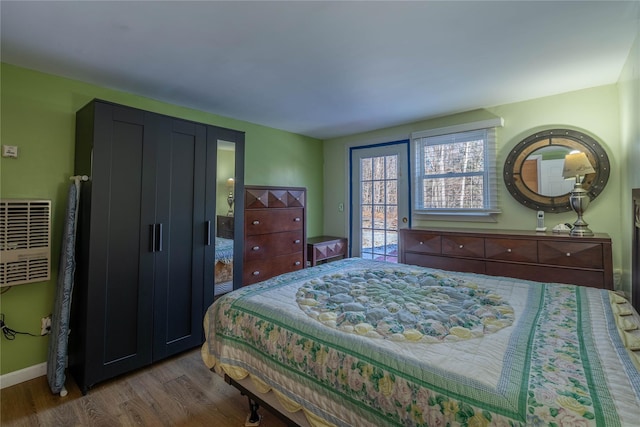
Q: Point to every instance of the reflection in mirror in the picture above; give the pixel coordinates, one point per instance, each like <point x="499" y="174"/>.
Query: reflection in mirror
<point x="542" y="171"/>
<point x="225" y="197"/>
<point x="533" y="169"/>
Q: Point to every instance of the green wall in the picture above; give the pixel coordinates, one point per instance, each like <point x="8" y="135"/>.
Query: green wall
<point x="37" y="114"/>
<point x="593" y="111"/>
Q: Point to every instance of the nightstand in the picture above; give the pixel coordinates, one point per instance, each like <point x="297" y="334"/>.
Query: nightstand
<point x="325" y="248"/>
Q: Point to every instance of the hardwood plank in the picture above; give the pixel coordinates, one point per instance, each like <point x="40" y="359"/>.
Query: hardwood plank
<point x="180" y="391"/>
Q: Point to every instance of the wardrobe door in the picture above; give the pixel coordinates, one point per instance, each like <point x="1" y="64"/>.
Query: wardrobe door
<point x="112" y="318"/>
<point x="179" y="256"/>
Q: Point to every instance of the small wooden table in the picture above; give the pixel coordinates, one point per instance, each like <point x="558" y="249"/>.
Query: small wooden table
<point x="325" y="248"/>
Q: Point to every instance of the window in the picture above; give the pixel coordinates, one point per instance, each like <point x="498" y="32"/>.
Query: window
<point x="455" y="170"/>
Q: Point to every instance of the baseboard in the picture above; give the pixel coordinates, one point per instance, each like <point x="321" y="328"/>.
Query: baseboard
<point x="22" y="375"/>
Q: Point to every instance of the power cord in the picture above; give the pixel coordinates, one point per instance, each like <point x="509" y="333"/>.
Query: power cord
<point x="9" y="333"/>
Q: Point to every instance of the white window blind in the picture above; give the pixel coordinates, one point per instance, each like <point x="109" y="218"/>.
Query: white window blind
<point x="455" y="170"/>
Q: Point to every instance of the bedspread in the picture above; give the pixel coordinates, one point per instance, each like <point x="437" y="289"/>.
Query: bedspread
<point x="358" y="342"/>
<point x="224" y="250"/>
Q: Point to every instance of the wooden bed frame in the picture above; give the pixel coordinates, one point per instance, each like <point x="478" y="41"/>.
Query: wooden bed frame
<point x="635" y="250"/>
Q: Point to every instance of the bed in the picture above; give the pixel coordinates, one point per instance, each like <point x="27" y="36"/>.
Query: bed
<point x="223" y="266"/>
<point x="360" y="342"/>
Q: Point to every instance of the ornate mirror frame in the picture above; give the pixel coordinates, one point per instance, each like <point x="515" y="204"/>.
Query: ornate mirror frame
<point x="571" y="139"/>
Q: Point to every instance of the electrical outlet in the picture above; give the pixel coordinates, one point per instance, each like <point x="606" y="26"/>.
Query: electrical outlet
<point x="45" y="325"/>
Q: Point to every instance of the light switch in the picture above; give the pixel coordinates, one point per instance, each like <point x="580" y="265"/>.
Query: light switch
<point x="10" y="151"/>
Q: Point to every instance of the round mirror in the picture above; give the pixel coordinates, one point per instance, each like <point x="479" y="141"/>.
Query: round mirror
<point x="533" y="169"/>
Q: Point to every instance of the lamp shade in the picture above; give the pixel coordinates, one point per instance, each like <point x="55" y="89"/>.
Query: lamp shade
<point x="576" y="164"/>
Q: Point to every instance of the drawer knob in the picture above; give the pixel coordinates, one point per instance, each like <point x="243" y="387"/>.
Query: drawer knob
<point x="256" y="222"/>
<point x="256" y="273"/>
<point x="297" y="263"/>
<point x="422" y="243"/>
<point x="461" y="246"/>
<point x="296" y="241"/>
<point x="296" y="219"/>
<point x="568" y="253"/>
<point x="255" y="248"/>
<point x="509" y="250"/>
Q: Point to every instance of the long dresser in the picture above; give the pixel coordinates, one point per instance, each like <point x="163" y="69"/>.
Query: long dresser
<point x="274" y="232"/>
<point x="530" y="255"/>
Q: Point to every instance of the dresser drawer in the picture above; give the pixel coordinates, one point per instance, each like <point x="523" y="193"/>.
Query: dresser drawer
<point x="571" y="254"/>
<point x="424" y="243"/>
<point x="262" y="269"/>
<point x="263" y="197"/>
<point x="271" y="245"/>
<point x="511" y="249"/>
<point x="265" y="221"/>
<point x="463" y="246"/>
<point x="445" y="263"/>
<point x="538" y="273"/>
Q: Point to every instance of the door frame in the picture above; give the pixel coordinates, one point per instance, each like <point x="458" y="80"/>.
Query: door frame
<point x="351" y="210"/>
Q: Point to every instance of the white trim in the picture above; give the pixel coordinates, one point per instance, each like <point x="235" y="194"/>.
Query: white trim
<point x="464" y="127"/>
<point x="22" y="375"/>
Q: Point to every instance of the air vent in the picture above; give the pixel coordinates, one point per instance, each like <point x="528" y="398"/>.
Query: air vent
<point x="25" y="241"/>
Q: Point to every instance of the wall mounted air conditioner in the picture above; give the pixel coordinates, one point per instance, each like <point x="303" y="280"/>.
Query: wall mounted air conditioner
<point x="25" y="241"/>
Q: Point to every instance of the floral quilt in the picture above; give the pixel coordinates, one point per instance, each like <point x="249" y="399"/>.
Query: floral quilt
<point x="357" y="342"/>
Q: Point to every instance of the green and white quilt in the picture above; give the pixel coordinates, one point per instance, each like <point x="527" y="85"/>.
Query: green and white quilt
<point x="357" y="343"/>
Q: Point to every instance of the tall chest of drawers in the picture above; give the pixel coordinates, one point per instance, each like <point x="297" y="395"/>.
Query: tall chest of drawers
<point x="274" y="231"/>
<point x="530" y="255"/>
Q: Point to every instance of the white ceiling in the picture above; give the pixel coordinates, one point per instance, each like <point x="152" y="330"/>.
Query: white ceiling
<point x="326" y="69"/>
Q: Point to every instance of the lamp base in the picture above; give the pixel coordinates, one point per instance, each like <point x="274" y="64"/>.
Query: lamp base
<point x="580" y="231"/>
<point x="579" y="200"/>
<point x="230" y="200"/>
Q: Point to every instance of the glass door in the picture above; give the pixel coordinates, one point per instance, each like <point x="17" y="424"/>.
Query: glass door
<point x="380" y="199"/>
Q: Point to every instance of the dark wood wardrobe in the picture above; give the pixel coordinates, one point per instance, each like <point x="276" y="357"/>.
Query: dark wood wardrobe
<point x="145" y="244"/>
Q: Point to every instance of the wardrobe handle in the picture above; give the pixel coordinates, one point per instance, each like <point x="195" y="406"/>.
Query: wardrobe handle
<point x="296" y="219"/>
<point x="159" y="238"/>
<point x="255" y="248"/>
<point x="152" y="237"/>
<point x="207" y="234"/>
<point x="256" y="222"/>
<point x="296" y="241"/>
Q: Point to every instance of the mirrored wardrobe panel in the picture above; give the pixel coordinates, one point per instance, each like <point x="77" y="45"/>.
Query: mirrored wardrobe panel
<point x="225" y="180"/>
<point x="225" y="200"/>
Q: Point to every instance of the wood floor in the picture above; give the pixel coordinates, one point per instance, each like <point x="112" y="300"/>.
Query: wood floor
<point x="180" y="391"/>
